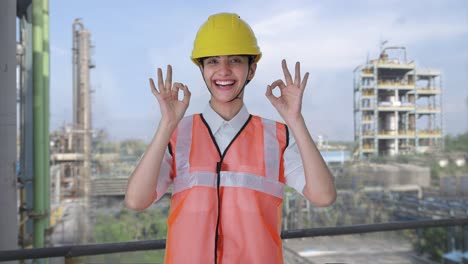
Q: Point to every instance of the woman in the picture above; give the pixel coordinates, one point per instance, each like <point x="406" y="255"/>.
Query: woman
<point x="228" y="167"/>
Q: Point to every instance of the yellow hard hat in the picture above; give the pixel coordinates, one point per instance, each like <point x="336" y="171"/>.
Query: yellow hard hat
<point x="225" y="34"/>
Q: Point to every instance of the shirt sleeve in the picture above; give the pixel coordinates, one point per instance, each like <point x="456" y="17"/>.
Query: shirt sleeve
<point x="165" y="172"/>
<point x="293" y="167"/>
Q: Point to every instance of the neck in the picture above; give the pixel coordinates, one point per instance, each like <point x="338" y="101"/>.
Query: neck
<point x="227" y="110"/>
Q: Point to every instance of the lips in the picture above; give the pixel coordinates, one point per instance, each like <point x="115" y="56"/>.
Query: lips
<point x="224" y="84"/>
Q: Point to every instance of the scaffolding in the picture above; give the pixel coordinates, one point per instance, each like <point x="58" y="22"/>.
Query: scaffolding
<point x="397" y="107"/>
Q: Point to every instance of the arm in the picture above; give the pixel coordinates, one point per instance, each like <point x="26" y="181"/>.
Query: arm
<point x="319" y="187"/>
<point x="141" y="187"/>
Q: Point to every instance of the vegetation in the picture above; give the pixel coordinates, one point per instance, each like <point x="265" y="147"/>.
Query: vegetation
<point x="116" y="159"/>
<point x="125" y="226"/>
<point x="457" y="143"/>
<point x="453" y="144"/>
<point x="433" y="243"/>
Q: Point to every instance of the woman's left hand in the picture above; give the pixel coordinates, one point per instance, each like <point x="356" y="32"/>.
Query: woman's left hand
<point x="289" y="103"/>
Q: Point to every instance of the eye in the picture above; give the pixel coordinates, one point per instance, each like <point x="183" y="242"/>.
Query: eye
<point x="211" y="61"/>
<point x="236" y="60"/>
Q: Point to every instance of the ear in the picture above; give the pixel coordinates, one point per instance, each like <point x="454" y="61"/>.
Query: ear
<point x="253" y="68"/>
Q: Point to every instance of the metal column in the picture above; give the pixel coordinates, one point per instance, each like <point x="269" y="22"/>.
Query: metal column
<point x="46" y="82"/>
<point x="26" y="127"/>
<point x="8" y="203"/>
<point x="40" y="143"/>
<point x="82" y="111"/>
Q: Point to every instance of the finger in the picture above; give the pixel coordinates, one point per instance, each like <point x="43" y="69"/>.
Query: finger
<point x="304" y="81"/>
<point x="269" y="94"/>
<point x="287" y="74"/>
<point x="153" y="87"/>
<point x="278" y="83"/>
<point x="169" y="77"/>
<point x="175" y="90"/>
<point x="271" y="97"/>
<point x="297" y="78"/>
<point x="160" y="81"/>
<point x="187" y="95"/>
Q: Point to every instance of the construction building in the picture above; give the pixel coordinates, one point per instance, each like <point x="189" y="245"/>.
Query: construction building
<point x="397" y="106"/>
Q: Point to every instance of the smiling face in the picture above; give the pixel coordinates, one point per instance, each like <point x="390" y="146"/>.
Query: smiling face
<point x="226" y="76"/>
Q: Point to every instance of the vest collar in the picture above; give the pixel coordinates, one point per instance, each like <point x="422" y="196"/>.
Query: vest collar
<point x="215" y="121"/>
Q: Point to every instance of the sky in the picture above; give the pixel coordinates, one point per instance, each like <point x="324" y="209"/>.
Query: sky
<point x="330" y="38"/>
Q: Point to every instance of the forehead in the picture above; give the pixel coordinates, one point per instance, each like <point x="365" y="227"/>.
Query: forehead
<point x="228" y="56"/>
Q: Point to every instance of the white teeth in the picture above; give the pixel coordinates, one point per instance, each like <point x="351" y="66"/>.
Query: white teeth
<point x="224" y="82"/>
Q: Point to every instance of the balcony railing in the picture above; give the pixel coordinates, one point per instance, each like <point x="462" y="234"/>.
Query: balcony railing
<point x="402" y="133"/>
<point x="422" y="110"/>
<point x="409" y="85"/>
<point x="428" y="91"/>
<point x="109" y="248"/>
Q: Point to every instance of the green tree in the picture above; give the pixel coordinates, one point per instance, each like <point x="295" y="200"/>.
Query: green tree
<point x="432" y="242"/>
<point x="126" y="225"/>
<point x="458" y="143"/>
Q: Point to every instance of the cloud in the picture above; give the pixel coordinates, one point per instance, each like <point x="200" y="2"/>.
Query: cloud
<point x="336" y="43"/>
<point x="330" y="47"/>
<point x="330" y="39"/>
<point x="282" y="23"/>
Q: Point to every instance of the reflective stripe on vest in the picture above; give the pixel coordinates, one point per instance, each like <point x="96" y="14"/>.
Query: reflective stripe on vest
<point x="250" y="194"/>
<point x="229" y="179"/>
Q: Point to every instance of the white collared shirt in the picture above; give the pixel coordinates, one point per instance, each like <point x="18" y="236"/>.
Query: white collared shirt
<point x="224" y="131"/>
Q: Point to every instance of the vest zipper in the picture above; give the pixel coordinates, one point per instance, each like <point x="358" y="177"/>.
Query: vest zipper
<point x="218" y="181"/>
<point x="218" y="177"/>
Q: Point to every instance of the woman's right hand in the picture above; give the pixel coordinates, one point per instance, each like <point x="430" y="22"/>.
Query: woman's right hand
<point x="172" y="109"/>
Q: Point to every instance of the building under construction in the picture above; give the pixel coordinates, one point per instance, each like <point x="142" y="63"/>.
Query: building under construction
<point x="397" y="106"/>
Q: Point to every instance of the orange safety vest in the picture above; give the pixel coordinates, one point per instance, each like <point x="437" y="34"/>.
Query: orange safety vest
<point x="226" y="206"/>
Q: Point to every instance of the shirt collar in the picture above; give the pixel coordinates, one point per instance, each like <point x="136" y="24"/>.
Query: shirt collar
<point x="215" y="121"/>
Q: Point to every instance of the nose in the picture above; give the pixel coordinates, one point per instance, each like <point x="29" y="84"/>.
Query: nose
<point x="224" y="67"/>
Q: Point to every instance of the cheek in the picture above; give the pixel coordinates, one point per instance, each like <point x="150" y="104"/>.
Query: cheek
<point x="252" y="71"/>
<point x="206" y="76"/>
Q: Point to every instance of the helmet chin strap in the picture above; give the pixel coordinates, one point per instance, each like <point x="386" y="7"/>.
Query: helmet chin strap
<point x="243" y="87"/>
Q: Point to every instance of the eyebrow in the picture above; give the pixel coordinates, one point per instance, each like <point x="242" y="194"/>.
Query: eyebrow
<point x="229" y="56"/>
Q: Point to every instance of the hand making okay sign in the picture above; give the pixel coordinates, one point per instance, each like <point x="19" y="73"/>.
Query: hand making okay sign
<point x="289" y="103"/>
<point x="172" y="109"/>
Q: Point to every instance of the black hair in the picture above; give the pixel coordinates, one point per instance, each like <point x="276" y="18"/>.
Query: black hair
<point x="250" y="57"/>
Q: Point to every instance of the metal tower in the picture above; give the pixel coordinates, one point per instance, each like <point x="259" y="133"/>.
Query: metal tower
<point x="397" y="107"/>
<point x="82" y="113"/>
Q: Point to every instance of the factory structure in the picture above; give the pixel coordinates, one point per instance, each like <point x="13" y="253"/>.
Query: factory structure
<point x="52" y="188"/>
<point x="71" y="147"/>
<point x="57" y="165"/>
<point x="397" y="106"/>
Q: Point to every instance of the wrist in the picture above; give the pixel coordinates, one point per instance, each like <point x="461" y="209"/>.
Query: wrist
<point x="295" y="121"/>
<point x="169" y="124"/>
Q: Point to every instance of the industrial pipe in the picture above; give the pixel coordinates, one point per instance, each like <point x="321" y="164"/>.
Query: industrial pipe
<point x="39" y="211"/>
